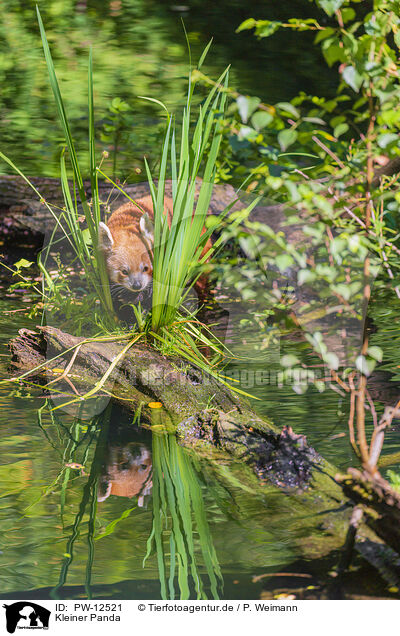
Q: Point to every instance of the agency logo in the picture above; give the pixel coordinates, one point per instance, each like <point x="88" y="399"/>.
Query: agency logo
<point x="26" y="615"/>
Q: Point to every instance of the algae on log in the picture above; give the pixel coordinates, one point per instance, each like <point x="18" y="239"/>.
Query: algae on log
<point x="143" y="375"/>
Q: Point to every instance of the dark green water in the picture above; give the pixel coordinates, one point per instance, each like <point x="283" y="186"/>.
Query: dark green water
<point x="55" y="540"/>
<point x="139" y="49"/>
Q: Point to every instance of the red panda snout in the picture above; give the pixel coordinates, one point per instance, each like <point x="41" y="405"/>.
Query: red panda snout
<point x="132" y="275"/>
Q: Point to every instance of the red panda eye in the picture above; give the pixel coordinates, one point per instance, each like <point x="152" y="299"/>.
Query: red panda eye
<point x="145" y="268"/>
<point x="124" y="271"/>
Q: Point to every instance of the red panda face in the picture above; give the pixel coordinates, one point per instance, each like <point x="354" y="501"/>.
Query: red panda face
<point x="128" y="257"/>
<point x="127" y="472"/>
<point x="130" y="267"/>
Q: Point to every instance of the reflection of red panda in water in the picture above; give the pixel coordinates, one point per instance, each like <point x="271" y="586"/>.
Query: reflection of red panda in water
<point x="126" y="472"/>
<point x="127" y="244"/>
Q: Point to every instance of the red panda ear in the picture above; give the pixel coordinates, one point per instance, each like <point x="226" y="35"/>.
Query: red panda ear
<point x="147" y="227"/>
<point x="104" y="490"/>
<point x="106" y="240"/>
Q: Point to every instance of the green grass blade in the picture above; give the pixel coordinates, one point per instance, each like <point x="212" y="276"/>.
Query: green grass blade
<point x="92" y="146"/>
<point x="61" y="113"/>
<point x="203" y="55"/>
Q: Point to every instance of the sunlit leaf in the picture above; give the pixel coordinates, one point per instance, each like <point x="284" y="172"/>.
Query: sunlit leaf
<point x="387" y="139"/>
<point x="260" y="119"/>
<point x="340" y="129"/>
<point x="247" y="106"/>
<point x="289" y="360"/>
<point x="331" y="360"/>
<point x="352" y="78"/>
<point x="365" y="365"/>
<point x="287" y="137"/>
<point x="376" y="353"/>
<point x="23" y="263"/>
<point x="330" y="6"/>
<point x="284" y="261"/>
<point x="288" y="108"/>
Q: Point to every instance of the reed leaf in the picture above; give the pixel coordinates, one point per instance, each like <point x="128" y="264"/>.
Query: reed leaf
<point x="95" y="271"/>
<point x="179" y="518"/>
<point x="178" y="244"/>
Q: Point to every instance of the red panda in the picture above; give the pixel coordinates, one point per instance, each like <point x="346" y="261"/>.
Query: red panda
<point x="127" y="245"/>
<point x="127" y="472"/>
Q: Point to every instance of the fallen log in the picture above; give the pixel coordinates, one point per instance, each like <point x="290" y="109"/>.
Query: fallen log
<point x="243" y="453"/>
<point x="22" y="209"/>
<point x="205" y="413"/>
<point x="252" y="455"/>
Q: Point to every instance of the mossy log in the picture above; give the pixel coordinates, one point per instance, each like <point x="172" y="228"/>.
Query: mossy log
<point x="206" y="414"/>
<point x="252" y="455"/>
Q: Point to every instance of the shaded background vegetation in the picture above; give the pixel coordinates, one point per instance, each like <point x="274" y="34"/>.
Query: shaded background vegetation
<point x="139" y="49"/>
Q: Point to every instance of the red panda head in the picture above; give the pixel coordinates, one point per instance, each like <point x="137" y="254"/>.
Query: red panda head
<point x="128" y="255"/>
<point x="127" y="472"/>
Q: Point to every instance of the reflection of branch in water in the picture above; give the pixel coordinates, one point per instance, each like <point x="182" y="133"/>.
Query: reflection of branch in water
<point x="301" y="575"/>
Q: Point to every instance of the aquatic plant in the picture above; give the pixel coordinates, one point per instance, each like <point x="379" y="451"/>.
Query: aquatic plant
<point x="179" y="250"/>
<point x="180" y="526"/>
<point x="68" y="221"/>
<point x="178" y="247"/>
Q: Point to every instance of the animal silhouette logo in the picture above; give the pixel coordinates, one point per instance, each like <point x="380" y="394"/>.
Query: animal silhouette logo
<point x="26" y="615"/>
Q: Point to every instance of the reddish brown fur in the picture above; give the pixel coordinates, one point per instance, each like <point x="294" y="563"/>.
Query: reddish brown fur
<point x="132" y="249"/>
<point x="127" y="472"/>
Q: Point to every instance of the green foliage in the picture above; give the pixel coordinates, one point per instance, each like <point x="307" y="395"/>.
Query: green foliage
<point x="315" y="156"/>
<point x="366" y="54"/>
<point x="394" y="479"/>
<point x="319" y="293"/>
